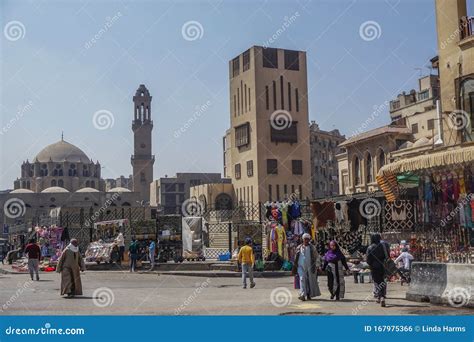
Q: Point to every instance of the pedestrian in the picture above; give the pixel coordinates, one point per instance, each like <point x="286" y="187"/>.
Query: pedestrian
<point x="133" y="254"/>
<point x="151" y="253"/>
<point x="377" y="254"/>
<point x="33" y="251"/>
<point x="70" y="265"/>
<point x="307" y="261"/>
<point x="406" y="259"/>
<point x="121" y="245"/>
<point x="334" y="264"/>
<point x="247" y="260"/>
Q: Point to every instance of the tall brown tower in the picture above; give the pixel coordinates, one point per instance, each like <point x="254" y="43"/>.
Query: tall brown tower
<point x="142" y="159"/>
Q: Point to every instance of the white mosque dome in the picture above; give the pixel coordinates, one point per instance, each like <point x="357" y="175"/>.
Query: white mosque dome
<point x="22" y="191"/>
<point x="119" y="189"/>
<point x="54" y="189"/>
<point x="87" y="189"/>
<point x="62" y="151"/>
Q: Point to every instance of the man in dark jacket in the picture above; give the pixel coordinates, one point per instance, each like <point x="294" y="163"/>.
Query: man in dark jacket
<point x="377" y="253"/>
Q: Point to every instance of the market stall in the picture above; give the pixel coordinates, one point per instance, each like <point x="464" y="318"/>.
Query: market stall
<point x="439" y="188"/>
<point x="104" y="248"/>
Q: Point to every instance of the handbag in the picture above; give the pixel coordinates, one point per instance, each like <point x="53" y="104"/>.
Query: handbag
<point x="297" y="281"/>
<point x="388" y="264"/>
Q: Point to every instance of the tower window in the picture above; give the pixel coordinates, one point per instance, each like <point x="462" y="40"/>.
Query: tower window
<point x="270" y="58"/>
<point x="282" y="97"/>
<point x="237" y="171"/>
<point x="274" y="96"/>
<point x="235" y="66"/>
<point x="292" y="60"/>
<point x="289" y="96"/>
<point x="246" y="60"/>
<point x="272" y="166"/>
<point x="267" y="100"/>
<point x="242" y="135"/>
<point x="250" y="168"/>
<point x="297" y="100"/>
<point x="297" y="167"/>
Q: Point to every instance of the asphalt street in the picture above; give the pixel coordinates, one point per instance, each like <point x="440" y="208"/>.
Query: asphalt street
<point x="124" y="293"/>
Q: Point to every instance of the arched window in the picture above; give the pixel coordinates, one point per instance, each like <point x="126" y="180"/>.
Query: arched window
<point x="357" y="177"/>
<point x="53" y="182"/>
<point x="381" y="161"/>
<point x="93" y="184"/>
<point x="369" y="169"/>
<point x="61" y="183"/>
<point x="88" y="184"/>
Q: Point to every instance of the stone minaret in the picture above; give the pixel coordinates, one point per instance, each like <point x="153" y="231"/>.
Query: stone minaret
<point x="142" y="159"/>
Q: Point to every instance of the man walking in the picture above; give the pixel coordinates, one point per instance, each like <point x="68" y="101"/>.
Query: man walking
<point x="151" y="254"/>
<point x="247" y="260"/>
<point x="133" y="254"/>
<point x="34" y="254"/>
<point x="120" y="240"/>
<point x="70" y="264"/>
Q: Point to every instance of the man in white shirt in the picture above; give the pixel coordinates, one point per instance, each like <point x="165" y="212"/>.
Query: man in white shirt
<point x="406" y="258"/>
<point x="121" y="245"/>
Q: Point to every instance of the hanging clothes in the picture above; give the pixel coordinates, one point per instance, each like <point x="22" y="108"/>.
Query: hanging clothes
<point x="284" y="214"/>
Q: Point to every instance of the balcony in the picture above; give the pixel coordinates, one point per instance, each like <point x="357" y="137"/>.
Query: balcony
<point x="466" y="26"/>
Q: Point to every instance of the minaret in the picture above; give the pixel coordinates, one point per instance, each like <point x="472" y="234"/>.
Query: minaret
<point x="142" y="159"/>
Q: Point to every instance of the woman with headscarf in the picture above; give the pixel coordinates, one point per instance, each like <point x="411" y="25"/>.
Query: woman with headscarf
<point x="70" y="264"/>
<point x="305" y="267"/>
<point x="334" y="264"/>
<point x="377" y="253"/>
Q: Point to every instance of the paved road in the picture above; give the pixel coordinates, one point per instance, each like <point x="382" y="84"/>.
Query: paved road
<point x="123" y="293"/>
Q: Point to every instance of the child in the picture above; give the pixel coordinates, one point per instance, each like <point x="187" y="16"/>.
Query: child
<point x="247" y="260"/>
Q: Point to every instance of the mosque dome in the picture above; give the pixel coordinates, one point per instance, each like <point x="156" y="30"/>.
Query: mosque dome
<point x="62" y="151"/>
<point x="54" y="189"/>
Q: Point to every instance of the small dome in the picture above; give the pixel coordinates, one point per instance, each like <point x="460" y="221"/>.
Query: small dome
<point x="87" y="189"/>
<point x="60" y="152"/>
<point x="22" y="191"/>
<point x="119" y="189"/>
<point x="54" y="189"/>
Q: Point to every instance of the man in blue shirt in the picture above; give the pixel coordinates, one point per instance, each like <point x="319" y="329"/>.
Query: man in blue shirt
<point x="151" y="253"/>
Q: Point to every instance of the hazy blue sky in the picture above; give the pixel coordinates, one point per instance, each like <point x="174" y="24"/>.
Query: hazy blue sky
<point x="63" y="78"/>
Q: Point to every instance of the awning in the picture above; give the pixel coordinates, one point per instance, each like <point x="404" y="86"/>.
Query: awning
<point x="387" y="175"/>
<point x="428" y="161"/>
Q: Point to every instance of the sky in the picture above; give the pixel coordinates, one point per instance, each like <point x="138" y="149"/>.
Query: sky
<point x="74" y="66"/>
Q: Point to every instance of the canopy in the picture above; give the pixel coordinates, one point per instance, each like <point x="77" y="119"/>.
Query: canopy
<point x="387" y="175"/>
<point x="428" y="161"/>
